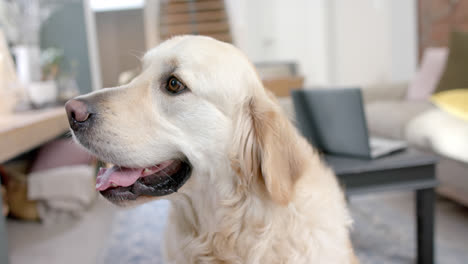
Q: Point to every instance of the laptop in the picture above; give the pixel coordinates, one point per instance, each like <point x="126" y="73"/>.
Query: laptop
<point x="333" y="120"/>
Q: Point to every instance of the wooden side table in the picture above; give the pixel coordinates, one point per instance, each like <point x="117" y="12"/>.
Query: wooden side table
<point x="21" y="132"/>
<point x="408" y="170"/>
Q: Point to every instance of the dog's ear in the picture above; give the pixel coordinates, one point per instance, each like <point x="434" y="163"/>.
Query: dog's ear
<point x="268" y="151"/>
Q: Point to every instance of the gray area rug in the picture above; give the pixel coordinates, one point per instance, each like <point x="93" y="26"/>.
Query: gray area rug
<point x="383" y="233"/>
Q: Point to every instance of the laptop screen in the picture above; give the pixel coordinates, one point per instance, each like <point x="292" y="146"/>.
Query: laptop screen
<point x="333" y="120"/>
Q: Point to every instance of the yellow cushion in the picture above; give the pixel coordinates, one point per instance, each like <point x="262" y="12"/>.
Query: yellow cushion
<point x="453" y="101"/>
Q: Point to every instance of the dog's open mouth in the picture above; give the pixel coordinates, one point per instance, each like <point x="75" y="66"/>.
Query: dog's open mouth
<point x="120" y="183"/>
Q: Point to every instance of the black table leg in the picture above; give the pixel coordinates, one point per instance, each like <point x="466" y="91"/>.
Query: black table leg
<point x="425" y="199"/>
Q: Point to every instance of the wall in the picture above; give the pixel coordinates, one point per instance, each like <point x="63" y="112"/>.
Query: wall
<point x="438" y="19"/>
<point x="339" y="42"/>
<point x="404" y="39"/>
<point x="361" y="42"/>
<point x="301" y="36"/>
<point x="121" y="41"/>
<point x="272" y="30"/>
<point x="373" y="41"/>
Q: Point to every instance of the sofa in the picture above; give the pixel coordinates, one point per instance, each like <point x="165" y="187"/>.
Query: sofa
<point x="424" y="126"/>
<point x="404" y="111"/>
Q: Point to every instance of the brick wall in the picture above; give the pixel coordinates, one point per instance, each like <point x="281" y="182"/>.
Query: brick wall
<point x="437" y="18"/>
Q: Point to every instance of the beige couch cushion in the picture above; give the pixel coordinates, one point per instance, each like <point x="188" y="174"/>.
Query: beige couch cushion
<point x="384" y="92"/>
<point x="389" y="118"/>
<point x="440" y="132"/>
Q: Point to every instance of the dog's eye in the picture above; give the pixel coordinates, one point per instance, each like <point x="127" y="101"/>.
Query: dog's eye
<point x="174" y="86"/>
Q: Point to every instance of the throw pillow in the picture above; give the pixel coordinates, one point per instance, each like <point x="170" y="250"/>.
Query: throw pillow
<point x="455" y="75"/>
<point x="428" y="76"/>
<point x="453" y="101"/>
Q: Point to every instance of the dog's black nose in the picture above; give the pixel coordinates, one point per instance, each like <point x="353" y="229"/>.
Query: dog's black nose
<point x="78" y="114"/>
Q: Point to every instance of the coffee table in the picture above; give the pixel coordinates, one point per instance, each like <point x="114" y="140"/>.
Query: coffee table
<point x="407" y="170"/>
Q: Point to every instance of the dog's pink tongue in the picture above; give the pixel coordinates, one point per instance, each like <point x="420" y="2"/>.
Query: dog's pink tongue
<point x="124" y="177"/>
<point x="116" y="176"/>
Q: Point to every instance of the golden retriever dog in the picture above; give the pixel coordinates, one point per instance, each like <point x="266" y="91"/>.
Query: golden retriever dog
<point x="198" y="128"/>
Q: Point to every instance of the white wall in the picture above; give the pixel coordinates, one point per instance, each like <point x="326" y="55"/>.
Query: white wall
<point x="340" y="42"/>
<point x="300" y="35"/>
<point x="404" y="37"/>
<point x="278" y="30"/>
<point x="373" y="41"/>
<point x="361" y="42"/>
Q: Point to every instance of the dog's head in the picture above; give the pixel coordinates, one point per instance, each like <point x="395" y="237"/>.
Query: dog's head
<point x="196" y="116"/>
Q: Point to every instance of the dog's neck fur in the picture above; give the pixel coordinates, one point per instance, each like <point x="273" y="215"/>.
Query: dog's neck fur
<point x="236" y="226"/>
<point x="222" y="225"/>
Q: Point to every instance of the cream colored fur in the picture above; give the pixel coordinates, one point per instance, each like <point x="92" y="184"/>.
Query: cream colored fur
<point x="258" y="192"/>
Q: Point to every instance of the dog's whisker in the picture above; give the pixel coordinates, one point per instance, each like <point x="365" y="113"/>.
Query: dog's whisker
<point x="137" y="54"/>
<point x="170" y="177"/>
<point x="68" y="134"/>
